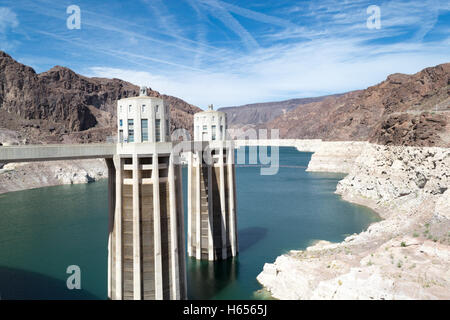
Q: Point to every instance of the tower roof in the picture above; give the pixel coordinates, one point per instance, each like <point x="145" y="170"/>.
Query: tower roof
<point x="143" y="91"/>
<point x="209" y="111"/>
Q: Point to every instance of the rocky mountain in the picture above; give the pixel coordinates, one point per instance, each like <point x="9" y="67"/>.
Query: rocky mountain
<point x="259" y="113"/>
<point x="402" y="110"/>
<point x="60" y="105"/>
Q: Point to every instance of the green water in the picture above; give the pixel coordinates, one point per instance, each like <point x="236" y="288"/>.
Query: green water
<point x="43" y="231"/>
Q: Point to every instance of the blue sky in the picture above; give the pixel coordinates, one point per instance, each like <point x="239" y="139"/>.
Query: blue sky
<point x="230" y="52"/>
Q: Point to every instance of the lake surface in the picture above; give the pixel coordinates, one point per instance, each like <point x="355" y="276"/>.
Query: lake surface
<point x="43" y="231"/>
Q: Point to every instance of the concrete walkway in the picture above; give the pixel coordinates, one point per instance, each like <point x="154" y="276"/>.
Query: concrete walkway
<point x="50" y="152"/>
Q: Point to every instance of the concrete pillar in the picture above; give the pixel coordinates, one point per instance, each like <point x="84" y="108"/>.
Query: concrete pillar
<point x="198" y="226"/>
<point x="157" y="230"/>
<point x="181" y="235"/>
<point x="222" y="204"/>
<point x="211" y="249"/>
<point x="232" y="202"/>
<point x="175" y="293"/>
<point x="118" y="163"/>
<point x="146" y="251"/>
<point x="137" y="262"/>
<point x="190" y="202"/>
<point x="111" y="210"/>
<point x="219" y="199"/>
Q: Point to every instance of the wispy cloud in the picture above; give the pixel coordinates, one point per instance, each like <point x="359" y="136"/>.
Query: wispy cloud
<point x="333" y="54"/>
<point x="254" y="15"/>
<point x="215" y="51"/>
<point x="301" y="71"/>
<point x="124" y="55"/>
<point x="165" y="19"/>
<point x="8" y="20"/>
<point x="217" y="9"/>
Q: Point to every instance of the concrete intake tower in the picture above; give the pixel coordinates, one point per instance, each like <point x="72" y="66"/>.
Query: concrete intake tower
<point x="146" y="239"/>
<point x="146" y="233"/>
<point x="212" y="229"/>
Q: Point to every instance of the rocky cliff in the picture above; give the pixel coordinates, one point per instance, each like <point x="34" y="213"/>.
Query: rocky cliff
<point x="59" y="105"/>
<point x="330" y="156"/>
<point x="404" y="256"/>
<point x="256" y="114"/>
<point x="404" y="109"/>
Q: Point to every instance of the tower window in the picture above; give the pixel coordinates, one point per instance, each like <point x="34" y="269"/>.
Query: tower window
<point x="144" y="108"/>
<point x="130" y="130"/>
<point x="157" y="108"/>
<point x="144" y="129"/>
<point x="213" y="133"/>
<point x="157" y="130"/>
<point x="121" y="122"/>
<point x="129" y="108"/>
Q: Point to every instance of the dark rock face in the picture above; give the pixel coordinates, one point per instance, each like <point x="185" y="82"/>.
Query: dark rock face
<point x="68" y="103"/>
<point x="405" y="129"/>
<point x="402" y="110"/>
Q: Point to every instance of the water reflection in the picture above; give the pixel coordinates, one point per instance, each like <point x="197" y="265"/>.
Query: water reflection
<point x="248" y="237"/>
<point x="16" y="284"/>
<point x="206" y="278"/>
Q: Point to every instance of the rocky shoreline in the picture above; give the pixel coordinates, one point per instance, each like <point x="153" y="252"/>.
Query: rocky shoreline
<point x="404" y="256"/>
<point x="31" y="175"/>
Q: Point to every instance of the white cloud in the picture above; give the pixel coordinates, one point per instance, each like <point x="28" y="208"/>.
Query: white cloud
<point x="8" y="19"/>
<point x="327" y="50"/>
<point x="322" y="67"/>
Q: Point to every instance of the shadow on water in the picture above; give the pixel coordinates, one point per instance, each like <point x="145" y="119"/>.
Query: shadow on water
<point x="207" y="278"/>
<point x="16" y="284"/>
<point x="248" y="237"/>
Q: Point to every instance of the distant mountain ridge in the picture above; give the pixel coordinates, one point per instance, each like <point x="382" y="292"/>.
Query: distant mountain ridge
<point x="402" y="110"/>
<point x="260" y="113"/>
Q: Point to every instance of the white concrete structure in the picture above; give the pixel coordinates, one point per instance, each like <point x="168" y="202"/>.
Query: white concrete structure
<point x="146" y="236"/>
<point x="142" y="119"/>
<point x="212" y="228"/>
<point x="53" y="152"/>
<point x="146" y="226"/>
<point x="210" y="125"/>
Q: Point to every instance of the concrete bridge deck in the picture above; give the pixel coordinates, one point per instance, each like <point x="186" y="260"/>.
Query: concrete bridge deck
<point x="48" y="152"/>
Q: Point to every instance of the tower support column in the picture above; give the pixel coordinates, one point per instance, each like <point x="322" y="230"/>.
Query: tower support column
<point x="111" y="210"/>
<point x="211" y="190"/>
<point x="146" y="234"/>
